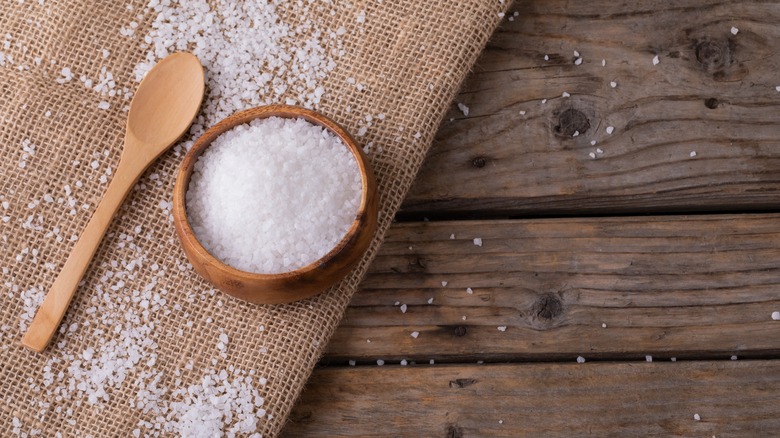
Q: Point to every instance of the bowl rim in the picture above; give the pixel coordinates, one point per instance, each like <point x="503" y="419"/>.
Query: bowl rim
<point x="187" y="165"/>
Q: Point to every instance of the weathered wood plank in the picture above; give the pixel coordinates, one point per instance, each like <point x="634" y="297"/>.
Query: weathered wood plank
<point x="713" y="93"/>
<point x="552" y="400"/>
<point x="691" y="287"/>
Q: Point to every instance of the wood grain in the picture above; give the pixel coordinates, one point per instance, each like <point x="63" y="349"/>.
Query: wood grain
<point x="691" y="287"/>
<point x="713" y="93"/>
<point x="735" y="399"/>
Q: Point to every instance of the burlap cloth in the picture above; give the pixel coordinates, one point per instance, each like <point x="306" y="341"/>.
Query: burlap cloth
<point x="412" y="56"/>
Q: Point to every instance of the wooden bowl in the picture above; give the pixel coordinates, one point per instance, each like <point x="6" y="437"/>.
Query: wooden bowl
<point x="288" y="286"/>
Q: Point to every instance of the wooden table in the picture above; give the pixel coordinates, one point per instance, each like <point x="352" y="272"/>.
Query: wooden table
<point x="660" y="242"/>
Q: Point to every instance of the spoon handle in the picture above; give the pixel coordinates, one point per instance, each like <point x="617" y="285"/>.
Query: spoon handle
<point x="53" y="308"/>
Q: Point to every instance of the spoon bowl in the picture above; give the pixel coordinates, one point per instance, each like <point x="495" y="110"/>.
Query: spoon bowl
<point x="288" y="286"/>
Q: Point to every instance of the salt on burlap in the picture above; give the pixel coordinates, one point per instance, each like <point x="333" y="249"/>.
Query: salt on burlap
<point x="409" y="57"/>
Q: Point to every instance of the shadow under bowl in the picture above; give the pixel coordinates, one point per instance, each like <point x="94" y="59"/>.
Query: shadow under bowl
<point x="293" y="285"/>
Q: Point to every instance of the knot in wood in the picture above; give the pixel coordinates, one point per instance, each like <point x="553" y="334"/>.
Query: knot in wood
<point x="711" y="103"/>
<point x="712" y="55"/>
<point x="462" y="383"/>
<point x="571" y="121"/>
<point x="479" y="162"/>
<point x="548" y="306"/>
<point x="454" y="431"/>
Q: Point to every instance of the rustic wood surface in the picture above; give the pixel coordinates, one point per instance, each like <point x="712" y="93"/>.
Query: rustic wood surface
<point x="713" y="93"/>
<point x="552" y="400"/>
<point x="698" y="286"/>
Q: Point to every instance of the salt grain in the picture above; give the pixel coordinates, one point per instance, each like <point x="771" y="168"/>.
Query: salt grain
<point x="613" y="84"/>
<point x="734" y="30"/>
<point x="293" y="183"/>
<point x="464" y="109"/>
<point x="610" y="129"/>
<point x="415" y="334"/>
<point x="649" y="358"/>
<point x="469" y="290"/>
<point x="696" y="417"/>
<point x="580" y="359"/>
<point x="656" y="60"/>
<point x="776" y="316"/>
<point x="502" y="328"/>
<point x="478" y="241"/>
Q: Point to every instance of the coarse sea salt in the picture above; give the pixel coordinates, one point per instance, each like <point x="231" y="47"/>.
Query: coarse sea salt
<point x="273" y="195"/>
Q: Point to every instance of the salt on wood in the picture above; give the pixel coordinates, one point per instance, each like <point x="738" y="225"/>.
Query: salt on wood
<point x="273" y="195"/>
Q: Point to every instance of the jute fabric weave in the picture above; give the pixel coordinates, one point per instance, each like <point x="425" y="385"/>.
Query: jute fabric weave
<point x="411" y="55"/>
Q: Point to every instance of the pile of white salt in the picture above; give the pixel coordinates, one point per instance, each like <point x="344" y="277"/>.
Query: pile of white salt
<point x="273" y="195"/>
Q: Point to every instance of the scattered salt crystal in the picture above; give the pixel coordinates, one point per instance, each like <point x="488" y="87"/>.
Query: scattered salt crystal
<point x="580" y="359"/>
<point x="502" y="328"/>
<point x="592" y="155"/>
<point x="674" y="359"/>
<point x="613" y="84"/>
<point x="522" y="112"/>
<point x="610" y="129"/>
<point x="444" y="284"/>
<point x="104" y="105"/>
<point x="578" y="61"/>
<point x="306" y="204"/>
<point x="464" y="109"/>
<point x="380" y="362"/>
<point x="734" y="30"/>
<point x="403" y="308"/>
<point x="693" y="154"/>
<point x="430" y="300"/>
<point x="452" y="236"/>
<point x="649" y="358"/>
<point x="576" y="134"/>
<point x="404" y="362"/>
<point x="599" y="151"/>
<point x="478" y="241"/>
<point x="576" y="54"/>
<point x="352" y="363"/>
<point x="546" y="57"/>
<point x="415" y="334"/>
<point x="777" y="88"/>
<point x="544" y="101"/>
<point x="734" y="357"/>
<point x="469" y="290"/>
<point x="776" y="316"/>
<point x="565" y="94"/>
<point x="696" y="417"/>
<point x="656" y="60"/>
<point x="603" y="62"/>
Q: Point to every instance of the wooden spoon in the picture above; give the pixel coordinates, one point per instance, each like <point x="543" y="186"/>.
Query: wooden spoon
<point x="162" y="109"/>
